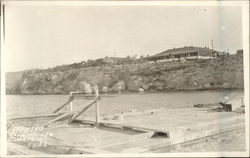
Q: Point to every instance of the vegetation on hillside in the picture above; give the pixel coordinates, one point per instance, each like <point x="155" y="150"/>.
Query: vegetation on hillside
<point x="133" y="74"/>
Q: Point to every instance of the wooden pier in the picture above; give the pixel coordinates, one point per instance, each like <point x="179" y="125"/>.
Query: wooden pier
<point x="137" y="132"/>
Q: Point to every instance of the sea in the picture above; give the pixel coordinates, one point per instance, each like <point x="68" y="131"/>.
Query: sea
<point x="34" y="105"/>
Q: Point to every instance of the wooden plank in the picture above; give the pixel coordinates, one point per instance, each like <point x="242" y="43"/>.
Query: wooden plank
<point x="97" y="106"/>
<point x="31" y="117"/>
<point x="82" y="111"/>
<point x="93" y="96"/>
<point x="70" y="113"/>
<point x="58" y="118"/>
<point x="137" y="138"/>
<point x="134" y="127"/>
<point x="66" y="103"/>
<point x="73" y="149"/>
<point x="117" y="125"/>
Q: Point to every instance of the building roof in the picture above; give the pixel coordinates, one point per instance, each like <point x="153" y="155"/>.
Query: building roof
<point x="183" y="50"/>
<point x="240" y="51"/>
<point x="109" y="59"/>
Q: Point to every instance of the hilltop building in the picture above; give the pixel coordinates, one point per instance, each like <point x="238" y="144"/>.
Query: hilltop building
<point x="184" y="53"/>
<point x="239" y="52"/>
<point x="109" y="60"/>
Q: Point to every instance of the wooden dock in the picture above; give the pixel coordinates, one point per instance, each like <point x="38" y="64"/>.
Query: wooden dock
<point x="136" y="132"/>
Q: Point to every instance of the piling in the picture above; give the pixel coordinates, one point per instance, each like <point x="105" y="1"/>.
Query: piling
<point x="97" y="105"/>
<point x="71" y="105"/>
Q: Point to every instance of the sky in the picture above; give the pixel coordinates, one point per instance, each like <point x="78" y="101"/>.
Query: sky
<point x="46" y="36"/>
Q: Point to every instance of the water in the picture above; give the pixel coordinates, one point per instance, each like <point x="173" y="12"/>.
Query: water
<point x="25" y="105"/>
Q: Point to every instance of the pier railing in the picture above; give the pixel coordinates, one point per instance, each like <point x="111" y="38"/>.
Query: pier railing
<point x="74" y="113"/>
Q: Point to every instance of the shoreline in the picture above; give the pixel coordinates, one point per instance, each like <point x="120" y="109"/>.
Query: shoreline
<point x="146" y="92"/>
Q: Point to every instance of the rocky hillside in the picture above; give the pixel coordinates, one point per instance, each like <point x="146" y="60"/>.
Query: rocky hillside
<point x="220" y="73"/>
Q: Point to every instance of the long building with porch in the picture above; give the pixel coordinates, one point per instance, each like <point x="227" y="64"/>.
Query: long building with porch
<point x="184" y="53"/>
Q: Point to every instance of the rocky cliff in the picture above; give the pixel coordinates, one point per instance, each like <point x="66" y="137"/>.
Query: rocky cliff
<point x="220" y="73"/>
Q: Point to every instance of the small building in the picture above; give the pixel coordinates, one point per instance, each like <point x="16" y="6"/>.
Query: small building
<point x="239" y="52"/>
<point x="184" y="53"/>
<point x="109" y="60"/>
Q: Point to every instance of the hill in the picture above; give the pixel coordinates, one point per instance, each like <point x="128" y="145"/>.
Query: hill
<point x="225" y="72"/>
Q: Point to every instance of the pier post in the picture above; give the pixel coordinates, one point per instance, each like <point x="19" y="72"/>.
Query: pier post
<point x="71" y="103"/>
<point x="97" y="105"/>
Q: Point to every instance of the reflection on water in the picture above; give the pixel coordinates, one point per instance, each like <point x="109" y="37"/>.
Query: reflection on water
<point x="23" y="105"/>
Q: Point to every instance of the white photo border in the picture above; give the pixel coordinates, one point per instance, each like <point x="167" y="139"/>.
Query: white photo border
<point x="245" y="28"/>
